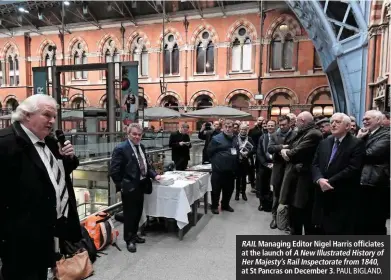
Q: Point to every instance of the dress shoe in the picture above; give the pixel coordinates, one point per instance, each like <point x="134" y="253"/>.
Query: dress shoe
<point x="131" y="246"/>
<point x="273" y="224"/>
<point x="244" y="196"/>
<point x="260" y="208"/>
<point x="215" y="211"/>
<point x="237" y="196"/>
<point x="138" y="239"/>
<point x="228" y="208"/>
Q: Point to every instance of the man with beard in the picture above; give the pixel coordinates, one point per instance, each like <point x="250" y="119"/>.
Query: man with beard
<point x="375" y="176"/>
<point x="223" y="152"/>
<point x="336" y="171"/>
<point x="324" y="127"/>
<point x="278" y="141"/>
<point x="297" y="186"/>
<point x="207" y="135"/>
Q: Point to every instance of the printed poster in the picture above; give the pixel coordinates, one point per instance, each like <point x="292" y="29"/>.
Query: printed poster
<point x="130" y="97"/>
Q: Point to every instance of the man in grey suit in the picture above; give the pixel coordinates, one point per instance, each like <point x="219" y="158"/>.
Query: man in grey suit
<point x="132" y="174"/>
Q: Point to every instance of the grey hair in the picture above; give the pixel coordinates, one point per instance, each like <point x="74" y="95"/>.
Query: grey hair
<point x="345" y="118"/>
<point x="291" y="116"/>
<point x="375" y="113"/>
<point x="353" y="118"/>
<point x="134" y="125"/>
<point x="185" y="125"/>
<point x="243" y="126"/>
<point x="32" y="104"/>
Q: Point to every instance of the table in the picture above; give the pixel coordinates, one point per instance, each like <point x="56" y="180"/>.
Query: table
<point x="177" y="200"/>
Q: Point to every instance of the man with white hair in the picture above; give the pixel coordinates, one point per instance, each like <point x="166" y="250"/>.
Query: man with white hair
<point x="336" y="171"/>
<point x="37" y="199"/>
<point x="375" y="176"/>
<point x="132" y="172"/>
<point x="297" y="187"/>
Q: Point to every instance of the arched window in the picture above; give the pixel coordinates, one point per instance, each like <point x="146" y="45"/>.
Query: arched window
<point x="140" y="54"/>
<point x="171" y="102"/>
<point x="279" y="105"/>
<point x="79" y="58"/>
<point x="241" y="52"/>
<point x="48" y="58"/>
<point x="282" y="49"/>
<point x="171" y="55"/>
<point x="12" y="66"/>
<point x="240" y="102"/>
<point x="78" y="103"/>
<point x="203" y="101"/>
<point x="204" y="54"/>
<point x="104" y="104"/>
<point x="111" y="54"/>
<point x="11" y="104"/>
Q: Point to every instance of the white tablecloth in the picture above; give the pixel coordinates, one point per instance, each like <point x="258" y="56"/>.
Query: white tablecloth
<point x="174" y="201"/>
<point x="201" y="167"/>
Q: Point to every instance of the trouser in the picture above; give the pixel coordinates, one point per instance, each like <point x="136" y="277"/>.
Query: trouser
<point x="265" y="196"/>
<point x="251" y="172"/>
<point x="222" y="182"/>
<point x="299" y="218"/>
<point x="374" y="205"/>
<point x="181" y="164"/>
<point x="132" y="204"/>
<point x="11" y="272"/>
<point x="241" y="183"/>
<point x="276" y="198"/>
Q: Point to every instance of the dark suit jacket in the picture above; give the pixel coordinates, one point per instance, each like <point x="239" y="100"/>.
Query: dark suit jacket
<point x="207" y="136"/>
<point x="261" y="152"/>
<point x="275" y="147"/>
<point x="125" y="170"/>
<point x="297" y="187"/>
<point x="179" y="152"/>
<point x="334" y="209"/>
<point x="28" y="199"/>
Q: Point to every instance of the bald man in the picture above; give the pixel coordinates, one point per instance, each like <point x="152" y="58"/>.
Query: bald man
<point x="297" y="186"/>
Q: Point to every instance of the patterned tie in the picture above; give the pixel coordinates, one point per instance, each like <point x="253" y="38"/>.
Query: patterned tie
<point x="334" y="150"/>
<point x="57" y="176"/>
<point x="141" y="161"/>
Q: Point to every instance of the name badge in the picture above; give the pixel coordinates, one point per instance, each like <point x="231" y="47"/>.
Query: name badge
<point x="233" y="151"/>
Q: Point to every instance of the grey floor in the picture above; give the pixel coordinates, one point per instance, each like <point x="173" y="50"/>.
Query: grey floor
<point x="207" y="251"/>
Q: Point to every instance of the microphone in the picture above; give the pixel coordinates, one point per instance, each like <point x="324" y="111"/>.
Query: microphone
<point x="60" y="137"/>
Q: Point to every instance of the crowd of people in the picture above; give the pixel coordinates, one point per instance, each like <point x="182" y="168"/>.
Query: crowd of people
<point x="315" y="175"/>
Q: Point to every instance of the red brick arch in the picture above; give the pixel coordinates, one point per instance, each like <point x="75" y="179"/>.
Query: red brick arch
<point x="203" y="92"/>
<point x="76" y="95"/>
<point x="42" y="47"/>
<point x="239" y="91"/>
<point x="169" y="93"/>
<point x="6" y="47"/>
<point x="292" y="23"/>
<point x="245" y="23"/>
<point x="9" y="97"/>
<point x="207" y="27"/>
<point x="134" y="36"/>
<point x="315" y="92"/>
<point x="104" y="39"/>
<point x="174" y="32"/>
<point x="279" y="90"/>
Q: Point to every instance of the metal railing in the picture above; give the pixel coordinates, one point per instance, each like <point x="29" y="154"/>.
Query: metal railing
<point x="92" y="183"/>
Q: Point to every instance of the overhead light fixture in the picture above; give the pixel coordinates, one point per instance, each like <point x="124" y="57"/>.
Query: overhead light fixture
<point x="40" y="15"/>
<point x="85" y="8"/>
<point x="1" y="22"/>
<point x="21" y="9"/>
<point x="134" y="5"/>
<point x="66" y="3"/>
<point x="284" y="27"/>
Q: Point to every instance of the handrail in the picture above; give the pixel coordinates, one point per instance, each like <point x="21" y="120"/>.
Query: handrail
<point x="92" y="161"/>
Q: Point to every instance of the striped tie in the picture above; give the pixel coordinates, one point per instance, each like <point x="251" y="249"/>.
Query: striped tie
<point x="60" y="184"/>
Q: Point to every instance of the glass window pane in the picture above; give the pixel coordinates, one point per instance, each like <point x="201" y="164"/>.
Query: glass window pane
<point x="11" y="63"/>
<point x="167" y="61"/>
<point x="210" y="66"/>
<point x="288" y="54"/>
<point x="247" y="56"/>
<point x="144" y="64"/>
<point x="200" y="68"/>
<point x="175" y="60"/>
<point x="236" y="53"/>
<point x="16" y="64"/>
<point x="276" y="55"/>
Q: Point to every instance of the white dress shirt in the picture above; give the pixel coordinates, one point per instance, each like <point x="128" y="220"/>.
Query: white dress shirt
<point x="45" y="159"/>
